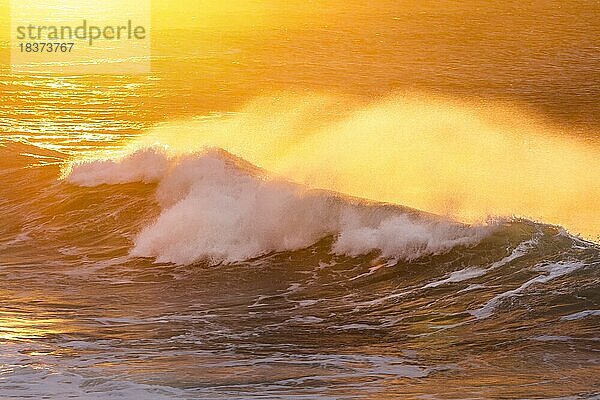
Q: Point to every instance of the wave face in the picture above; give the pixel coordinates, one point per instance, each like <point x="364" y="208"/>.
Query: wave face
<point x="167" y="276"/>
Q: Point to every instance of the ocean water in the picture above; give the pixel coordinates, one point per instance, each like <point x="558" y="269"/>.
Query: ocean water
<point x="161" y="238"/>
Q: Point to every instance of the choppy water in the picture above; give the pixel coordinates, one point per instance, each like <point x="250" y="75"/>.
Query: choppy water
<point x="512" y="313"/>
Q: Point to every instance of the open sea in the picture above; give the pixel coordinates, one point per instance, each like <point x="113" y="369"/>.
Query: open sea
<point x="361" y="201"/>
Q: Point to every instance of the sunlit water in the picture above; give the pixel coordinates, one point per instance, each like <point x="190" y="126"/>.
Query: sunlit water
<point x="515" y="315"/>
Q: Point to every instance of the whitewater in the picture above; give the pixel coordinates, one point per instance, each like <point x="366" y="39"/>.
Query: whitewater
<point x="217" y="208"/>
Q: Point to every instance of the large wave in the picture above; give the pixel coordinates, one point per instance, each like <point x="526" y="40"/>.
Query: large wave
<point x="219" y="208"/>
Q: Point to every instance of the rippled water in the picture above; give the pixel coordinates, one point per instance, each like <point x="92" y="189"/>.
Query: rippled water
<point x="515" y="315"/>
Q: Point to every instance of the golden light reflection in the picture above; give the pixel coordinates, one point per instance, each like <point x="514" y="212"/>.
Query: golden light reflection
<point x="18" y="328"/>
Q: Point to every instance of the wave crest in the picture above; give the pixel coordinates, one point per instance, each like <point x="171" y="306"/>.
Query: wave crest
<point x="218" y="208"/>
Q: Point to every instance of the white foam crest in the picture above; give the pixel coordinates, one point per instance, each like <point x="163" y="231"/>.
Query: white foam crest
<point x="144" y="165"/>
<point x="211" y="210"/>
<point x="403" y="236"/>
<point x="219" y="209"/>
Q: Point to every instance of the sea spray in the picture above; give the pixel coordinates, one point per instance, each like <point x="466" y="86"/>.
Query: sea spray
<point x="465" y="159"/>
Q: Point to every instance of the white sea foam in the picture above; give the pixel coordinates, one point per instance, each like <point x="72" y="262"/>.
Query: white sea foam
<point x="216" y="208"/>
<point x="474" y="272"/>
<point x="145" y="165"/>
<point x="581" y="315"/>
<point x="458" y="276"/>
<point x="41" y="376"/>
<point x="553" y="271"/>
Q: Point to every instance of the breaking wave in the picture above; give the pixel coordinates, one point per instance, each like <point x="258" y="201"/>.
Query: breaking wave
<point x="219" y="208"/>
<point x="430" y="292"/>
